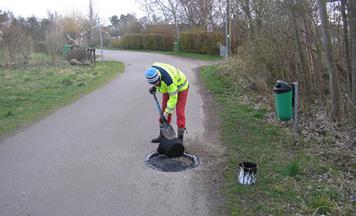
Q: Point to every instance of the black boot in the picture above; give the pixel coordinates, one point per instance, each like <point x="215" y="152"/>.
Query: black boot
<point x="158" y="139"/>
<point x="181" y="134"/>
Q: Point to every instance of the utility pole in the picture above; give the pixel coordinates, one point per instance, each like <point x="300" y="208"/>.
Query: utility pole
<point x="101" y="42"/>
<point x="91" y="21"/>
<point x="228" y="28"/>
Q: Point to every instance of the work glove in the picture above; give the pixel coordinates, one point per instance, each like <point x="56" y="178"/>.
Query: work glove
<point x="152" y="90"/>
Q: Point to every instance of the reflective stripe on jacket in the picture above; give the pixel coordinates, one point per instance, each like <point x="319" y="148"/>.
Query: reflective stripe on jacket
<point x="173" y="81"/>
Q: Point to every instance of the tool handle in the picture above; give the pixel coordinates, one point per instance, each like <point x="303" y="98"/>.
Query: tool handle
<point x="159" y="109"/>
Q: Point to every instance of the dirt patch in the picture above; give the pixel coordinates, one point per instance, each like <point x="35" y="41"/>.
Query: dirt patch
<point x="210" y="151"/>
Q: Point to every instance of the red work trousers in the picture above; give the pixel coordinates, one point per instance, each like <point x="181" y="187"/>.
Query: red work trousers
<point x="180" y="107"/>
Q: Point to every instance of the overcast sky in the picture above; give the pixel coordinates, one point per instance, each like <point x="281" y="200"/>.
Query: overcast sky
<point x="39" y="8"/>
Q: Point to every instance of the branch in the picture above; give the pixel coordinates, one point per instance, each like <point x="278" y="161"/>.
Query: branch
<point x="70" y="38"/>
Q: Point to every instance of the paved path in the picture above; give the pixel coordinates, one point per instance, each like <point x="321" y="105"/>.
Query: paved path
<point x="87" y="158"/>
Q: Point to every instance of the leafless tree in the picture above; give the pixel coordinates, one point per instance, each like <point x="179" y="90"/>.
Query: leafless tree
<point x="197" y="12"/>
<point x="346" y="46"/>
<point x="169" y="9"/>
<point x="333" y="76"/>
<point x="54" y="36"/>
<point x="90" y="24"/>
<point x="304" y="69"/>
<point x="14" y="41"/>
<point x="352" y="10"/>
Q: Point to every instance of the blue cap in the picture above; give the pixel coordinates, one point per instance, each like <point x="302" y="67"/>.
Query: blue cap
<point x="152" y="75"/>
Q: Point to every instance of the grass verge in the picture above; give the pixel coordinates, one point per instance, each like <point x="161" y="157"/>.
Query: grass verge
<point x="290" y="180"/>
<point x="30" y="93"/>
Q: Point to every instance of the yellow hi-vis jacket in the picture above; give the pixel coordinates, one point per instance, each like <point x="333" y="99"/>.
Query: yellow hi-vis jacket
<point x="172" y="82"/>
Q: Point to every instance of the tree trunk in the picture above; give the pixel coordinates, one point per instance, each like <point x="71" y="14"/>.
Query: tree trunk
<point x="174" y="12"/>
<point x="304" y="70"/>
<point x="92" y="25"/>
<point x="346" y="46"/>
<point x="247" y="10"/>
<point x="352" y="10"/>
<point x="333" y="76"/>
<point x="315" y="67"/>
<point x="228" y="27"/>
<point x="176" y="24"/>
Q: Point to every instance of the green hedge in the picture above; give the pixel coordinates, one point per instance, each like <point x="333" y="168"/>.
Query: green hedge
<point x="161" y="42"/>
<point x="201" y="42"/>
<point x="191" y="42"/>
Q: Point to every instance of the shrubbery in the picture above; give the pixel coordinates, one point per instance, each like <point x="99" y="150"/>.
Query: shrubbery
<point x="194" y="42"/>
<point x="201" y="42"/>
<point x="115" y="43"/>
<point x="79" y="54"/>
<point x="161" y="42"/>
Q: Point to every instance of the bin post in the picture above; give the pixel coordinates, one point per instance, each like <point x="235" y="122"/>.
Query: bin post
<point x="176" y="46"/>
<point x="295" y="107"/>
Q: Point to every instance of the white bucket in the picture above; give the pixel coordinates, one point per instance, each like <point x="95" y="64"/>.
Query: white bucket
<point x="247" y="173"/>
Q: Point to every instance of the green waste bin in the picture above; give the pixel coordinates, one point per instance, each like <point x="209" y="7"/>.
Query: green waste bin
<point x="66" y="49"/>
<point x="176" y="47"/>
<point x="283" y="95"/>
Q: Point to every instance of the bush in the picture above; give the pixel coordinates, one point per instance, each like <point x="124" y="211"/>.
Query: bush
<point x="79" y="54"/>
<point x="194" y="42"/>
<point x="115" y="43"/>
<point x="39" y="46"/>
<point x="151" y="41"/>
<point x="201" y="42"/>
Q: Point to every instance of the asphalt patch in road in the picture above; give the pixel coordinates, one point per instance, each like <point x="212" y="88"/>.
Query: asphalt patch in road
<point x="162" y="163"/>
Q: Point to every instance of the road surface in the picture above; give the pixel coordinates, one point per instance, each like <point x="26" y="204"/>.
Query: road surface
<point x="87" y="158"/>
